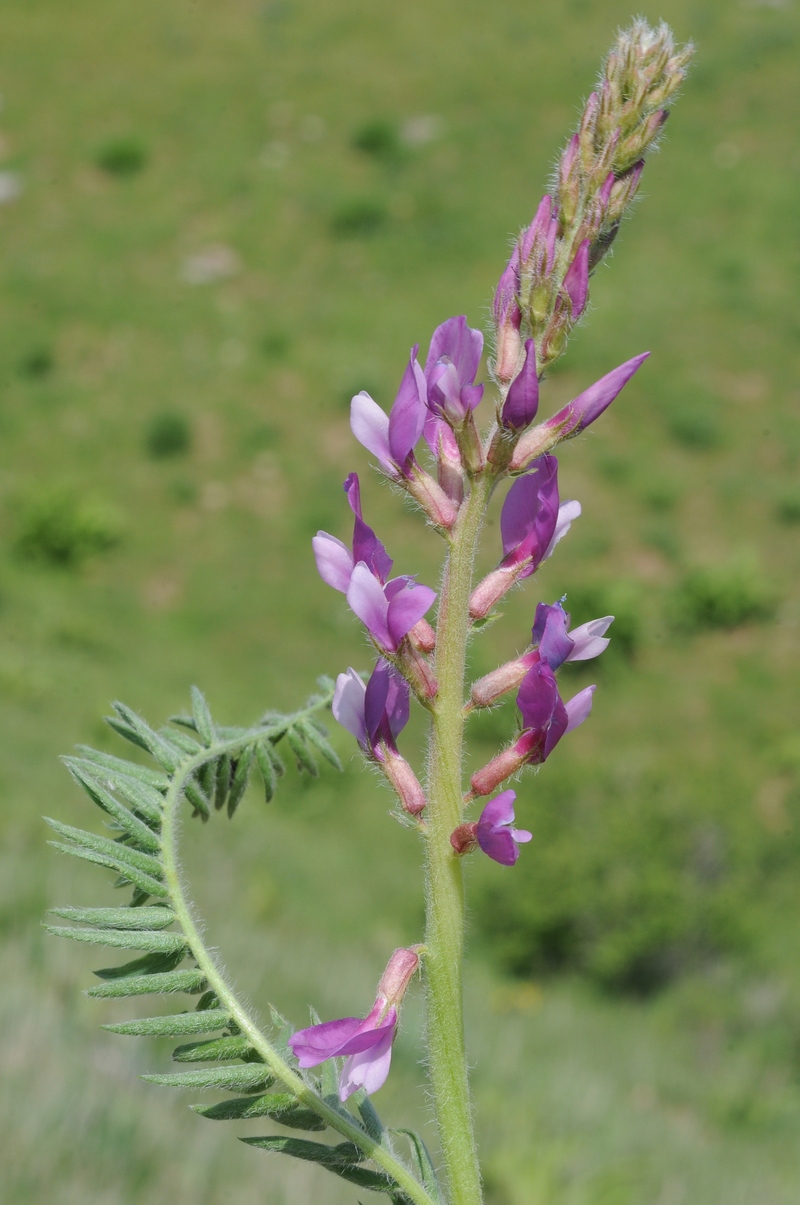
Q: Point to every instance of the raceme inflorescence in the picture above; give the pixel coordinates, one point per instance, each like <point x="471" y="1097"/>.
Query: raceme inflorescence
<point x="448" y="448"/>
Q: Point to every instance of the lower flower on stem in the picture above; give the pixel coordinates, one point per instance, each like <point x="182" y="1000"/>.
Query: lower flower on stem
<point x="366" y="1042"/>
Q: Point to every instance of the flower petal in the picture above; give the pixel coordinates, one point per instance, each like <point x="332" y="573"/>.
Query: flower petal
<point x="334" y="560"/>
<point x="590" y="639"/>
<point x="500" y="810"/>
<point x="529" y="511"/>
<point x="407" y="418"/>
<point x="568" y="512"/>
<point x="551" y="623"/>
<point x="349" y="707"/>
<point x="320" y="1042"/>
<point x="370" y="425"/>
<point x="460" y="343"/>
<point x="366" y="599"/>
<point x="367" y="1070"/>
<point x="537" y="697"/>
<point x="579" y="707"/>
<point x="576" y="281"/>
<point x="406" y="608"/>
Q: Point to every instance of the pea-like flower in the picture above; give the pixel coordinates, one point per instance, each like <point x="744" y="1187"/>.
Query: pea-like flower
<point x="453" y="359"/>
<point x="336" y="562"/>
<point x="365" y="1042"/>
<point x="531" y="524"/>
<point x="551" y="641"/>
<point x="545" y="719"/>
<point x="493" y="832"/>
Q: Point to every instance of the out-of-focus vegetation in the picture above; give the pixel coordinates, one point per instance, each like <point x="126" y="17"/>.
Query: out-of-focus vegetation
<point x="220" y="221"/>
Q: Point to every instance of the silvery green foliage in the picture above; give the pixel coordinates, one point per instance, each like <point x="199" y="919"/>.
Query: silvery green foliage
<point x="207" y="766"/>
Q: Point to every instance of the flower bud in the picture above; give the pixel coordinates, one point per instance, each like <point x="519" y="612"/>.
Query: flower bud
<point x="440" y="509"/>
<point x="489" y="592"/>
<point x="422" y="636"/>
<point x="405" y="782"/>
<point x="464" y="838"/>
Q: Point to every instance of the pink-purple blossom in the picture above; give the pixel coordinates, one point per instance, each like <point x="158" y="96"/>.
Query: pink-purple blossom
<point x="335" y="561"/>
<point x="375" y="712"/>
<point x="390" y="611"/>
<point x="450" y="368"/>
<point x="522" y="400"/>
<point x="494" y="833"/>
<point x="392" y="437"/>
<point x="576" y="281"/>
<point x="366" y="1042"/>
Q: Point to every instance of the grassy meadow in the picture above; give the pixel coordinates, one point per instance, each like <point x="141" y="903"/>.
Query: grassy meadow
<point x="218" y="221"/>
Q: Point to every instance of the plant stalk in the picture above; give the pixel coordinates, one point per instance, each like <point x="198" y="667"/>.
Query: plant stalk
<point x="444" y="937"/>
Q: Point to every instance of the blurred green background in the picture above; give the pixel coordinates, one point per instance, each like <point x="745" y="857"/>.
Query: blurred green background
<point x="218" y="221"/>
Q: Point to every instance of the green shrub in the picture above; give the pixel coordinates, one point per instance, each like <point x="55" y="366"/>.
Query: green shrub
<point x="359" y="217"/>
<point x="61" y="528"/>
<point x="723" y="596"/>
<point x="168" y="434"/>
<point x="379" y="138"/>
<point x="123" y="156"/>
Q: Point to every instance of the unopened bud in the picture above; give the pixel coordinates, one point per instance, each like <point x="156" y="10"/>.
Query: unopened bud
<point x="405" y="782"/>
<point x="422" y="636"/>
<point x="464" y="838"/>
<point x="416" y="670"/>
<point x="532" y="444"/>
<point x="440" y="509"/>
<point x="508" y="351"/>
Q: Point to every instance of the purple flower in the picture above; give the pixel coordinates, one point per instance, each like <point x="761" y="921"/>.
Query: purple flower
<point x="392" y="438"/>
<point x="590" y="404"/>
<point x="389" y="612"/>
<point x="335" y="561"/>
<point x="453" y="359"/>
<point x="366" y="1042"/>
<point x="494" y="833"/>
<point x="556" y="644"/>
<point x="545" y="718"/>
<point x="522" y="399"/>
<point x="576" y="281"/>
<point x="376" y="712"/>
<point x="507" y="320"/>
<point x="531" y="524"/>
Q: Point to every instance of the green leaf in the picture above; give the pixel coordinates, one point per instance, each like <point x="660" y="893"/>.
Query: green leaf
<point x="222" y="781"/>
<point x="423" y="1165"/>
<point x="194" y="795"/>
<point x="282" y="1107"/>
<point x="247" y="1078"/>
<point x="372" y="1122"/>
<point x="304" y="756"/>
<point x="92" y="782"/>
<point x="181" y="742"/>
<point x="160" y="943"/>
<point x="152" y="778"/>
<point x="142" y="985"/>
<point x="267" y="767"/>
<point x="319" y="740"/>
<point x="118" y="918"/>
<point x="241" y="776"/>
<point x="215" y="1051"/>
<point x="344" y="1154"/>
<point x="148" y="964"/>
<point x="148" y="885"/>
<point x="133" y="728"/>
<point x="113" y="849"/>
<point x="175" y="1026"/>
<point x="202" y="716"/>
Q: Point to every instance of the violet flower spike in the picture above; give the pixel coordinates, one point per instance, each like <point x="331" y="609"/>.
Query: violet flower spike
<point x="494" y="833"/>
<point x="522" y="400"/>
<point x="335" y="561"/>
<point x="365" y="1042"/>
<point x="388" y="612"/>
<point x="453" y="360"/>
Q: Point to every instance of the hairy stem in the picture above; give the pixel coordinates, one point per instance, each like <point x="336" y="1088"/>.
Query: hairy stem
<point x="444" y="938"/>
<point x="217" y="981"/>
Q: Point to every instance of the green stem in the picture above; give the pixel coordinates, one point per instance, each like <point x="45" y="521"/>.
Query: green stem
<point x="444" y="938"/>
<point x="217" y="982"/>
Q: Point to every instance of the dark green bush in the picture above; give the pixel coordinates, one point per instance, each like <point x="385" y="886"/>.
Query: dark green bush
<point x="359" y="217"/>
<point x="722" y="596"/>
<point x="168" y="434"/>
<point x="38" y="362"/>
<point x="124" y="156"/>
<point x="379" y="138"/>
<point x="61" y="528"/>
